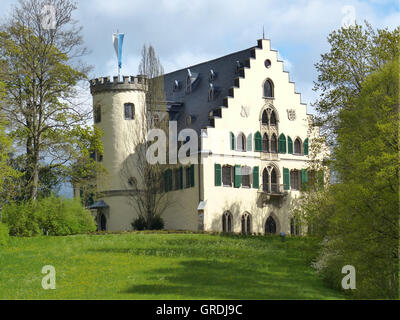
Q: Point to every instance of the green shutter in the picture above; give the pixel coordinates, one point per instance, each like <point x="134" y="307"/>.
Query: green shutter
<point x="249" y="142"/>
<point x="306" y="147"/>
<point x="256" y="183"/>
<point x="180" y="177"/>
<point x="286" y="179"/>
<point x="232" y="141"/>
<point x="192" y="175"/>
<point x="282" y="143"/>
<point x="169" y="179"/>
<point x="304" y="176"/>
<point x="257" y="142"/>
<point x="290" y="145"/>
<point x="238" y="176"/>
<point x="166" y="181"/>
<point x="217" y="174"/>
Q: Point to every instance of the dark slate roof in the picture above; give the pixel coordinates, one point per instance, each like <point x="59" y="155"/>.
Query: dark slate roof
<point x="196" y="103"/>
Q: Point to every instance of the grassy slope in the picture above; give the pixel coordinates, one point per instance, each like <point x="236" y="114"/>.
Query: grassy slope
<point x="161" y="266"/>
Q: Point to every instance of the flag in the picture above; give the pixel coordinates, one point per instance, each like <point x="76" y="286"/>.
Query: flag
<point x="118" y="39"/>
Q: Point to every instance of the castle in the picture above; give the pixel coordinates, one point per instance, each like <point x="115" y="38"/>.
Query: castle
<point x="254" y="141"/>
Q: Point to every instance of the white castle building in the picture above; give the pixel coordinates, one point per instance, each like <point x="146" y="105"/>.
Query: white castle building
<point x="254" y="140"/>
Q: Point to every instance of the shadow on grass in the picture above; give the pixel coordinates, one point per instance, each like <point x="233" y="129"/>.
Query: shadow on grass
<point x="199" y="279"/>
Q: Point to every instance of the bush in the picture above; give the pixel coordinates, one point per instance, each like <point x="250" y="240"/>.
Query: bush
<point x="4" y="234"/>
<point x="21" y="219"/>
<point x="157" y="223"/>
<point x="140" y="223"/>
<point x="48" y="216"/>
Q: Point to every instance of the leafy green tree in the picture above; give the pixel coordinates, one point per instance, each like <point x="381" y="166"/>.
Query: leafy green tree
<point x="41" y="77"/>
<point x="355" y="53"/>
<point x="359" y="216"/>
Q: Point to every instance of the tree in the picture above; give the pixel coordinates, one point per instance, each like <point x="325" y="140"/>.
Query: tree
<point x="355" y="53"/>
<point x="359" y="217"/>
<point x="6" y="171"/>
<point x="147" y="197"/>
<point x="42" y="71"/>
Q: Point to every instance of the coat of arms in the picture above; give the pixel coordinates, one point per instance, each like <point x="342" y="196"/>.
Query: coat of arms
<point x="291" y="113"/>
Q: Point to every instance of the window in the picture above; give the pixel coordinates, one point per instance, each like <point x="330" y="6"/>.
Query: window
<point x="282" y="143"/>
<point x="264" y="118"/>
<point x="257" y="141"/>
<point x="188" y="84"/>
<point x="241" y="142"/>
<point x="268" y="89"/>
<point x="295" y="179"/>
<point x="167" y="180"/>
<point x="156" y="120"/>
<point x="232" y="136"/>
<point x="272" y="121"/>
<point x="265" y="180"/>
<point x="211" y="92"/>
<point x="213" y="75"/>
<point x="177" y="85"/>
<point x="290" y="145"/>
<point x="246" y="176"/>
<point x="265" y="143"/>
<point x="274" y="148"/>
<point x="297" y="146"/>
<point x="294" y="227"/>
<point x="246" y="223"/>
<point x="227" y="221"/>
<point x="274" y="181"/>
<point x="227" y="176"/>
<point x="187" y="177"/>
<point x="129" y="111"/>
<point x="267" y="63"/>
<point x="97" y="114"/>
<point x="177" y="179"/>
<point x="270" y="226"/>
<point x="249" y="142"/>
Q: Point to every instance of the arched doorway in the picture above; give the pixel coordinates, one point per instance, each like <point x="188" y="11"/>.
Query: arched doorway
<point x="270" y="226"/>
<point x="103" y="222"/>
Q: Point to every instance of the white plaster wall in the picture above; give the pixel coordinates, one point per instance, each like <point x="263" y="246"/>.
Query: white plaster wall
<point x="250" y="95"/>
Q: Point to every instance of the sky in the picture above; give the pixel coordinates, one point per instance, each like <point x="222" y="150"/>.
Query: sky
<point x="187" y="32"/>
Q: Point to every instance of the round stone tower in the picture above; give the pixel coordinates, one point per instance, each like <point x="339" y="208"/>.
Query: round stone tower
<point x="118" y="109"/>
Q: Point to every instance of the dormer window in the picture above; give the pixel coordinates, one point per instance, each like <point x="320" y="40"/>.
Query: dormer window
<point x="177" y="85"/>
<point x="211" y="92"/>
<point x="238" y="66"/>
<point x="212" y="75"/>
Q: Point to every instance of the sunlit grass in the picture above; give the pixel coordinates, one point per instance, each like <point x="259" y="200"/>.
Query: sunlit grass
<point x="162" y="266"/>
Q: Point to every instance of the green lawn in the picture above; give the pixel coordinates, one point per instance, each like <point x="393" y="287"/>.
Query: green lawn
<point x="161" y="266"/>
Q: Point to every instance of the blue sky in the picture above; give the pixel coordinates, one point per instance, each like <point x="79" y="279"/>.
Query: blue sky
<point x="188" y="32"/>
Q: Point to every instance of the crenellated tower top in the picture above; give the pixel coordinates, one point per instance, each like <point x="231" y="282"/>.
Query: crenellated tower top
<point x="128" y="83"/>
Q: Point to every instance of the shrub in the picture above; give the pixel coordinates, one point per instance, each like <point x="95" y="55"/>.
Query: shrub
<point x="140" y="223"/>
<point x="49" y="216"/>
<point x="4" y="234"/>
<point x="157" y="223"/>
<point x="21" y="219"/>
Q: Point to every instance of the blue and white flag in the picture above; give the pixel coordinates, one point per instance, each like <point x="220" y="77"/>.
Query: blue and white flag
<point x="118" y="39"/>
